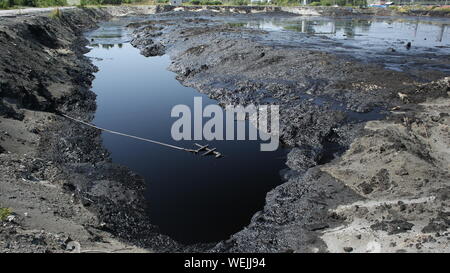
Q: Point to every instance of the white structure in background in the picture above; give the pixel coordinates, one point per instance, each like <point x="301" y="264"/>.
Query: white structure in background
<point x="176" y="2"/>
<point x="379" y="3"/>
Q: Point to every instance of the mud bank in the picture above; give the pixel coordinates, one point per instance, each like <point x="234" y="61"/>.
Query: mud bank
<point x="354" y="184"/>
<point x="55" y="175"/>
<point x="357" y="202"/>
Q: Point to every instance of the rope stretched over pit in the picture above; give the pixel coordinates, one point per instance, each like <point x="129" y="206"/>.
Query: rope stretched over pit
<point x="130" y="136"/>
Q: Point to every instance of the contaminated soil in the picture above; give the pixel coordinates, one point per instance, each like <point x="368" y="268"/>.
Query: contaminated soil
<point x="368" y="167"/>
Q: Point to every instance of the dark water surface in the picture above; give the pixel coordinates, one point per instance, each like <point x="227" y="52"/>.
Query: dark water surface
<point x="191" y="198"/>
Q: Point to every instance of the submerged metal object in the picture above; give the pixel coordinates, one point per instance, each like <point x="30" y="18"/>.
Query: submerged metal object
<point x="207" y="150"/>
<point x="201" y="148"/>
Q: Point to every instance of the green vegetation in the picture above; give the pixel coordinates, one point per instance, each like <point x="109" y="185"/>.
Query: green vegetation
<point x="443" y="9"/>
<point x="4" y="212"/>
<point x="341" y="3"/>
<point x="205" y="2"/>
<point x="5" y="4"/>
<point x="240" y="2"/>
<point x="104" y="2"/>
<point x="286" y="2"/>
<point x="350" y="3"/>
<point x="55" y="14"/>
<point x="406" y="9"/>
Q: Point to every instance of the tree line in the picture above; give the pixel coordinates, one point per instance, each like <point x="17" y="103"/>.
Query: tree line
<point x="5" y="4"/>
<point x="48" y="3"/>
<point x="31" y="3"/>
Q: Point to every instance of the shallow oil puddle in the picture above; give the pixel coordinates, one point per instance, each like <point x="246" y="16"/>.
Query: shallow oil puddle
<point x="191" y="198"/>
<point x="422" y="32"/>
<point x="382" y="39"/>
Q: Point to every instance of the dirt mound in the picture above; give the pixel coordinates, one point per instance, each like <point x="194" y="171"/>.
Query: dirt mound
<point x="55" y="175"/>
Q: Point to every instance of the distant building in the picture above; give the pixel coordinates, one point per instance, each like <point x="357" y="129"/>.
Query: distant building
<point x="379" y="3"/>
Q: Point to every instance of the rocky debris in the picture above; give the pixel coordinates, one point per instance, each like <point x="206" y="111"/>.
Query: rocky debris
<point x="438" y="224"/>
<point x="302" y="159"/>
<point x="10" y="218"/>
<point x="147" y="40"/>
<point x="317" y="226"/>
<point x="428" y="91"/>
<point x="155" y="49"/>
<point x="392" y="227"/>
<point x="73" y="247"/>
<point x="348" y="249"/>
<point x="380" y="181"/>
<point x="14" y="239"/>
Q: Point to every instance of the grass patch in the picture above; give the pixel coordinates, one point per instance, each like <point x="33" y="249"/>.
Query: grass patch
<point x="55" y="14"/>
<point x="442" y="9"/>
<point x="406" y="9"/>
<point x="112" y="2"/>
<point x="340" y="3"/>
<point x="7" y="4"/>
<point x="205" y="2"/>
<point x="4" y="212"/>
